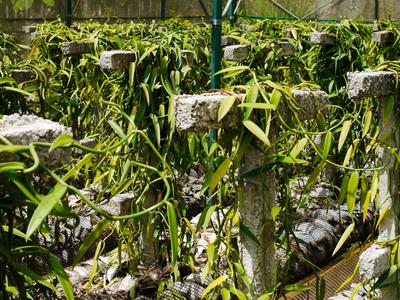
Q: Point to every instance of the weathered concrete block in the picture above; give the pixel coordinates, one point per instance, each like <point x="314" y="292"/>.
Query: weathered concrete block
<point x="322" y="38"/>
<point x="76" y="48"/>
<point x="188" y="57"/>
<point x="285" y="49"/>
<point x="23" y="75"/>
<point x="23" y="130"/>
<point x="227" y="41"/>
<point x="371" y="84"/>
<point x="310" y="102"/>
<point x="384" y="37"/>
<point x="29" y="29"/>
<point x="117" y="59"/>
<point x="374" y="261"/>
<point x="200" y="112"/>
<point x="162" y="29"/>
<point x="119" y="205"/>
<point x="236" y="52"/>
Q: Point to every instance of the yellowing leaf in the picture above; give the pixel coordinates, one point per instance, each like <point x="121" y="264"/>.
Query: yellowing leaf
<point x="214" y="284"/>
<point x="351" y="191"/>
<point x="327" y="145"/>
<point x="254" y="129"/>
<point x="298" y="148"/>
<point x="220" y="173"/>
<point x="225" y="106"/>
<point x="63" y="140"/>
<point x="348" y="156"/>
<point x="251" y="97"/>
<point x="276" y="97"/>
<point x="343" y="238"/>
<point x="366" y="123"/>
<point x="343" y="134"/>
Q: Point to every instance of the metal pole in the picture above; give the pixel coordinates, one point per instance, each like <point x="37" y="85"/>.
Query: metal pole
<point x="69" y="13"/>
<point x="216" y="43"/>
<point x="376" y="9"/>
<point x="232" y="15"/>
<point x="163" y="9"/>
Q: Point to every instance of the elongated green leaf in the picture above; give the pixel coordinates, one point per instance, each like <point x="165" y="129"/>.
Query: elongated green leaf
<point x="297" y="287"/>
<point x="387" y="109"/>
<point x="343" y="134"/>
<point x="314" y="176"/>
<point x="276" y="97"/>
<point x="251" y="97"/>
<point x="232" y="70"/>
<point x="11" y="166"/>
<point x="118" y="130"/>
<point x="17" y="90"/>
<point x="45" y="207"/>
<point x="225" y="106"/>
<point x="366" y="123"/>
<point x="25" y="271"/>
<point x="348" y="156"/>
<point x="247" y="231"/>
<point x="63" y="140"/>
<point x="173" y="231"/>
<point x="343" y="189"/>
<point x="220" y="173"/>
<point x="351" y="191"/>
<point x="242" y="273"/>
<point x="254" y="129"/>
<point x="132" y="71"/>
<point x="258" y="105"/>
<point x="366" y="204"/>
<point x="208" y="216"/>
<point x="15" y="232"/>
<point x="4" y="80"/>
<point x="62" y="278"/>
<point x="91" y="238"/>
<point x="327" y="145"/>
<point x="214" y="284"/>
<point x="343" y="238"/>
<point x="13" y="148"/>
<point x="382" y="280"/>
<point x="298" y="147"/>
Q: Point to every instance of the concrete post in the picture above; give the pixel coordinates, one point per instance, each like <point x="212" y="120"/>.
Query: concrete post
<point x="76" y="48"/>
<point x="322" y="38"/>
<point x="199" y="113"/>
<point x="381" y="84"/>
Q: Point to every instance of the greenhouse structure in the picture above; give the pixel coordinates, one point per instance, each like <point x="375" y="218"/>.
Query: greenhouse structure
<point x="204" y="149"/>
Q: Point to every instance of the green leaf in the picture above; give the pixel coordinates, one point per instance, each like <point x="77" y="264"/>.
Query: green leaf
<point x="118" y="130"/>
<point x="327" y="145"/>
<point x="25" y="271"/>
<point x="387" y="109"/>
<point x="251" y="97"/>
<point x="48" y="2"/>
<point x="298" y="147"/>
<point x="4" y="80"/>
<point x="232" y="71"/>
<point x="314" y="176"/>
<point x="343" y="238"/>
<point x="254" y="129"/>
<point x="348" y="156"/>
<point x="45" y="207"/>
<point x="62" y="278"/>
<point x="11" y="166"/>
<point x="63" y="140"/>
<point x="247" y="231"/>
<point x="173" y="232"/>
<point x="242" y="273"/>
<point x="384" y="276"/>
<point x="214" y="284"/>
<point x="220" y="173"/>
<point x="258" y="106"/>
<point x="132" y="70"/>
<point x="208" y="216"/>
<point x="297" y="287"/>
<point x="91" y="238"/>
<point x="351" y="192"/>
<point x="275" y="211"/>
<point x="366" y="204"/>
<point x="366" y="123"/>
<point x="225" y="107"/>
<point x="343" y="134"/>
<point x="276" y="97"/>
<point x="17" y="90"/>
<point x="343" y="189"/>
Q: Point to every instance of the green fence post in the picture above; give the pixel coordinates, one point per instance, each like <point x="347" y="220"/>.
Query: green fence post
<point x="163" y="9"/>
<point x="232" y="15"/>
<point x="376" y="9"/>
<point x="216" y="49"/>
<point x="69" y="13"/>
